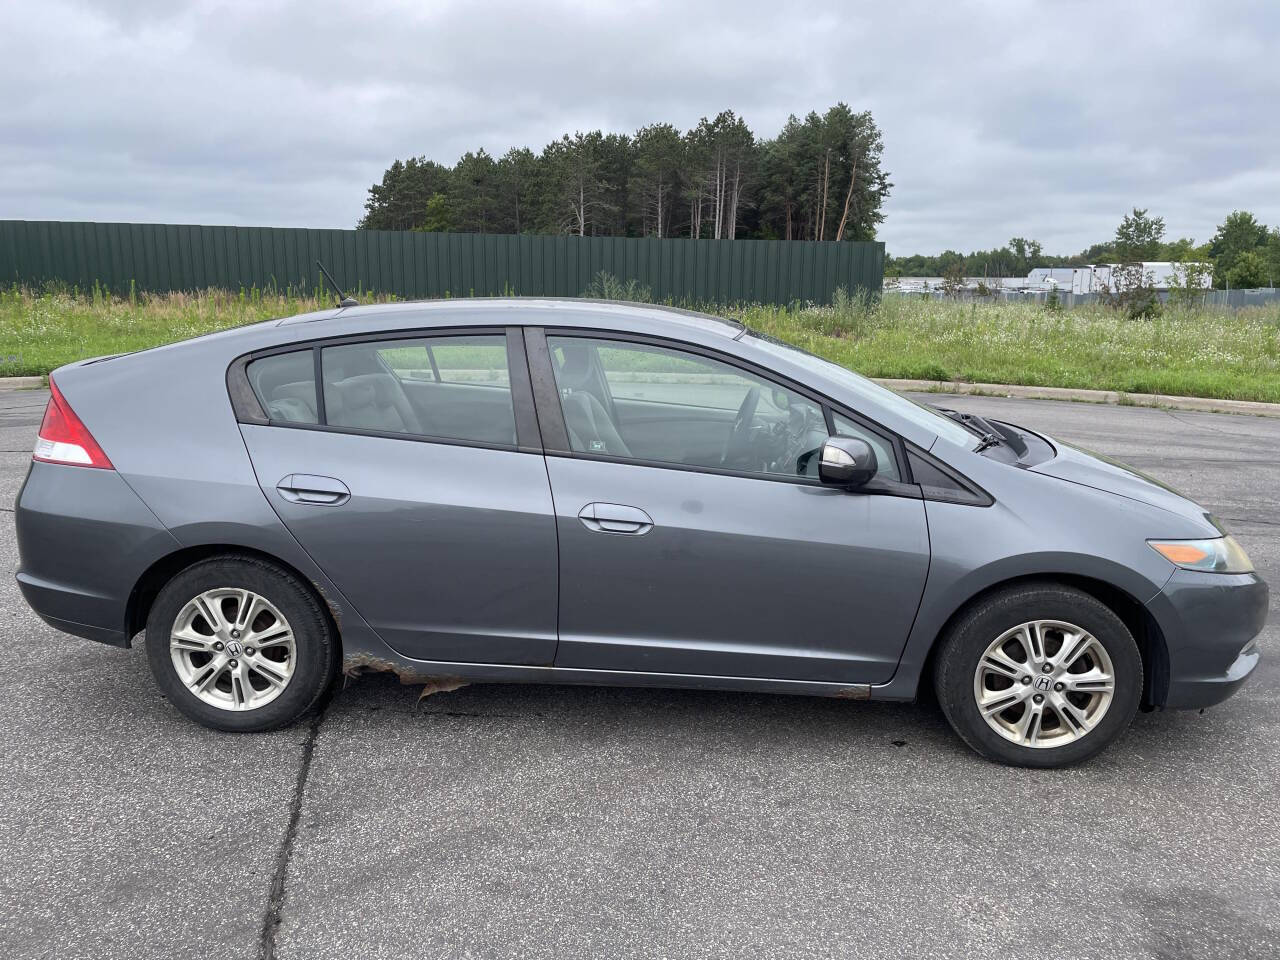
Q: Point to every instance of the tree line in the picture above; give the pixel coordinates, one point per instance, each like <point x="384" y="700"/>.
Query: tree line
<point x="820" y="178"/>
<point x="1242" y="253"/>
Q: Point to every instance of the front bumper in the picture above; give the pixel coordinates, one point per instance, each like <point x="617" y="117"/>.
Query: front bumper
<point x="1209" y="622"/>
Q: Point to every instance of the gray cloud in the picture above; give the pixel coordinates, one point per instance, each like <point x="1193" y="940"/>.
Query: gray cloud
<point x="1000" y="118"/>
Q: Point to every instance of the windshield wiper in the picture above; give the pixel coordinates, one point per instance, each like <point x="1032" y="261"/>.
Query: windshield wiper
<point x="989" y="434"/>
<point x="976" y="425"/>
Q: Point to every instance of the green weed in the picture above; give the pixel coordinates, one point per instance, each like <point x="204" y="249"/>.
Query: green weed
<point x="1185" y="350"/>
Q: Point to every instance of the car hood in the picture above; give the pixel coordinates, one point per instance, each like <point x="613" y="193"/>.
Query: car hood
<point x="1077" y="465"/>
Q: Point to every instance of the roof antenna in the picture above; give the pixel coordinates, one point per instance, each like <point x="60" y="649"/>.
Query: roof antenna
<point x="343" y="299"/>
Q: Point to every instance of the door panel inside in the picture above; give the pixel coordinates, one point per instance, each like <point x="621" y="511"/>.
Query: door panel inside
<point x="476" y="411"/>
<point x="651" y="429"/>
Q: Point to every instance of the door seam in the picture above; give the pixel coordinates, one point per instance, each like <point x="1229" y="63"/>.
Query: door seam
<point x="555" y="523"/>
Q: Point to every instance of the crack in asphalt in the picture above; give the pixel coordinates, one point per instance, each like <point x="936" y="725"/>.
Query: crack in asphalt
<point x="276" y="896"/>
<point x="1229" y="461"/>
<point x="1265" y="523"/>
<point x="1194" y="425"/>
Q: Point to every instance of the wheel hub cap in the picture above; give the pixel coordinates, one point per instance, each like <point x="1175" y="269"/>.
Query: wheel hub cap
<point x="210" y="639"/>
<point x="1044" y="683"/>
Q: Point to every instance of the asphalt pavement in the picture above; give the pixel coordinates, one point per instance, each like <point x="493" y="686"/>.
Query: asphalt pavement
<point x="508" y="821"/>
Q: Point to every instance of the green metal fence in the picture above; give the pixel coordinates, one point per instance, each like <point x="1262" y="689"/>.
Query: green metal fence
<point x="162" y="257"/>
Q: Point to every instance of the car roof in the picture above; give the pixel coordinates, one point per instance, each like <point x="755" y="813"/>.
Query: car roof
<point x="539" y="311"/>
<point x="214" y="351"/>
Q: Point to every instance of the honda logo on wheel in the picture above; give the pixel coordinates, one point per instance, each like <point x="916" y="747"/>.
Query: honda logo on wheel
<point x="1042" y="683"/>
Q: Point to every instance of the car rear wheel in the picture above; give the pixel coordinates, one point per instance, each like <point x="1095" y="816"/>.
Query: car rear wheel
<point x="1039" y="675"/>
<point x="239" y="644"/>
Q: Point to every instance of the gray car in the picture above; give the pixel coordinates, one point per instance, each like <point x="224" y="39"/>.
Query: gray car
<point x="584" y="492"/>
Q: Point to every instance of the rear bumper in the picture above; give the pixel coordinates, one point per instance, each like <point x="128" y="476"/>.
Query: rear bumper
<point x="114" y="638"/>
<point x="1209" y="622"/>
<point x="84" y="541"/>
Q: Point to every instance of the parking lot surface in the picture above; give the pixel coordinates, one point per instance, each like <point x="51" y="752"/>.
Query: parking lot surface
<point x="507" y="821"/>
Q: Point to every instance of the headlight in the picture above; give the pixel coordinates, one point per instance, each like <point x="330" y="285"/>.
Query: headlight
<point x="1220" y="555"/>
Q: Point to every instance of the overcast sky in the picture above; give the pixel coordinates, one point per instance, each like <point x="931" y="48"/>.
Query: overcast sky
<point x="1044" y="120"/>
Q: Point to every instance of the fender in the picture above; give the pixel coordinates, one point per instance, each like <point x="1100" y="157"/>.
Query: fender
<point x="947" y="592"/>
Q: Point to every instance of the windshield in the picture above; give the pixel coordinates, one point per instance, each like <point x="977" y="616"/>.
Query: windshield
<point x="869" y="390"/>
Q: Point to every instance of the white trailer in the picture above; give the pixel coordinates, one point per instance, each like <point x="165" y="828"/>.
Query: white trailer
<point x="1160" y="274"/>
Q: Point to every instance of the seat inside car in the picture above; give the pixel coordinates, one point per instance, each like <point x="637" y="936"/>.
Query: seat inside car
<point x="287" y="387"/>
<point x="591" y="428"/>
<point x="373" y="401"/>
<point x="293" y="402"/>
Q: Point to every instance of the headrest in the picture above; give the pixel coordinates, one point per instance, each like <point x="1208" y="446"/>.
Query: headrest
<point x="576" y="369"/>
<point x="272" y="373"/>
<point x="367" y="389"/>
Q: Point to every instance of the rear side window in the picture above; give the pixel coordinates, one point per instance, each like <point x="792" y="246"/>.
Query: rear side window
<point x="451" y="388"/>
<point x="286" y="386"/>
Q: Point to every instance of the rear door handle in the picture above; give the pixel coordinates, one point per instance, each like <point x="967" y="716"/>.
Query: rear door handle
<point x="615" y="518"/>
<point x="308" y="488"/>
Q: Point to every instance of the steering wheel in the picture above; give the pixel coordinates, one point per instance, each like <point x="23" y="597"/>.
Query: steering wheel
<point x="737" y="445"/>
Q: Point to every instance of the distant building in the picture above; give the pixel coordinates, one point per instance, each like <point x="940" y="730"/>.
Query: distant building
<point x="971" y="285"/>
<point x="1159" y="274"/>
<point x="1051" y="276"/>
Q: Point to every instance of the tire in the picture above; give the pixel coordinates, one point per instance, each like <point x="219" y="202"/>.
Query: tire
<point x="989" y="653"/>
<point x="239" y="686"/>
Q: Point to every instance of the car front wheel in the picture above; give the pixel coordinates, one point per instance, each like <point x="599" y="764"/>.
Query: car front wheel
<point x="1039" y="675"/>
<point x="237" y="643"/>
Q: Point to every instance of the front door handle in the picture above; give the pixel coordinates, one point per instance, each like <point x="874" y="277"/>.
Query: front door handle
<point x="615" y="518"/>
<point x="308" y="488"/>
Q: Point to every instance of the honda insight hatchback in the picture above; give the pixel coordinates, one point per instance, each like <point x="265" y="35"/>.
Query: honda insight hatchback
<point x="583" y="492"/>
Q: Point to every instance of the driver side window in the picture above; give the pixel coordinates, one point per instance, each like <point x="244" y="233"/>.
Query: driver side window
<point x="642" y="402"/>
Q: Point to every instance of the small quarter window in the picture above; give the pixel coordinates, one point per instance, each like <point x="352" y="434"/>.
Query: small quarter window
<point x="939" y="484"/>
<point x="285" y="384"/>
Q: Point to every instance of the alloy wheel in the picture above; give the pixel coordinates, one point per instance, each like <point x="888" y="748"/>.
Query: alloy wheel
<point x="233" y="649"/>
<point x="1044" y="683"/>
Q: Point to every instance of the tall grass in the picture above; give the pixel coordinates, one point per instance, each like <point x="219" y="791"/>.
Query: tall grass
<point x="40" y="331"/>
<point x="1208" y="352"/>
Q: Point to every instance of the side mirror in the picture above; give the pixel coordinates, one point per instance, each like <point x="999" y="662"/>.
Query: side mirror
<point x="847" y="462"/>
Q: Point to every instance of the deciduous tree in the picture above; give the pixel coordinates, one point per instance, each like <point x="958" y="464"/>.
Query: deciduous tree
<point x="1139" y="237"/>
<point x="1238" y="234"/>
<point x="1248" y="271"/>
<point x="1272" y="257"/>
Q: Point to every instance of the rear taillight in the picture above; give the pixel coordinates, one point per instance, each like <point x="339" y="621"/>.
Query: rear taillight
<point x="64" y="438"/>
